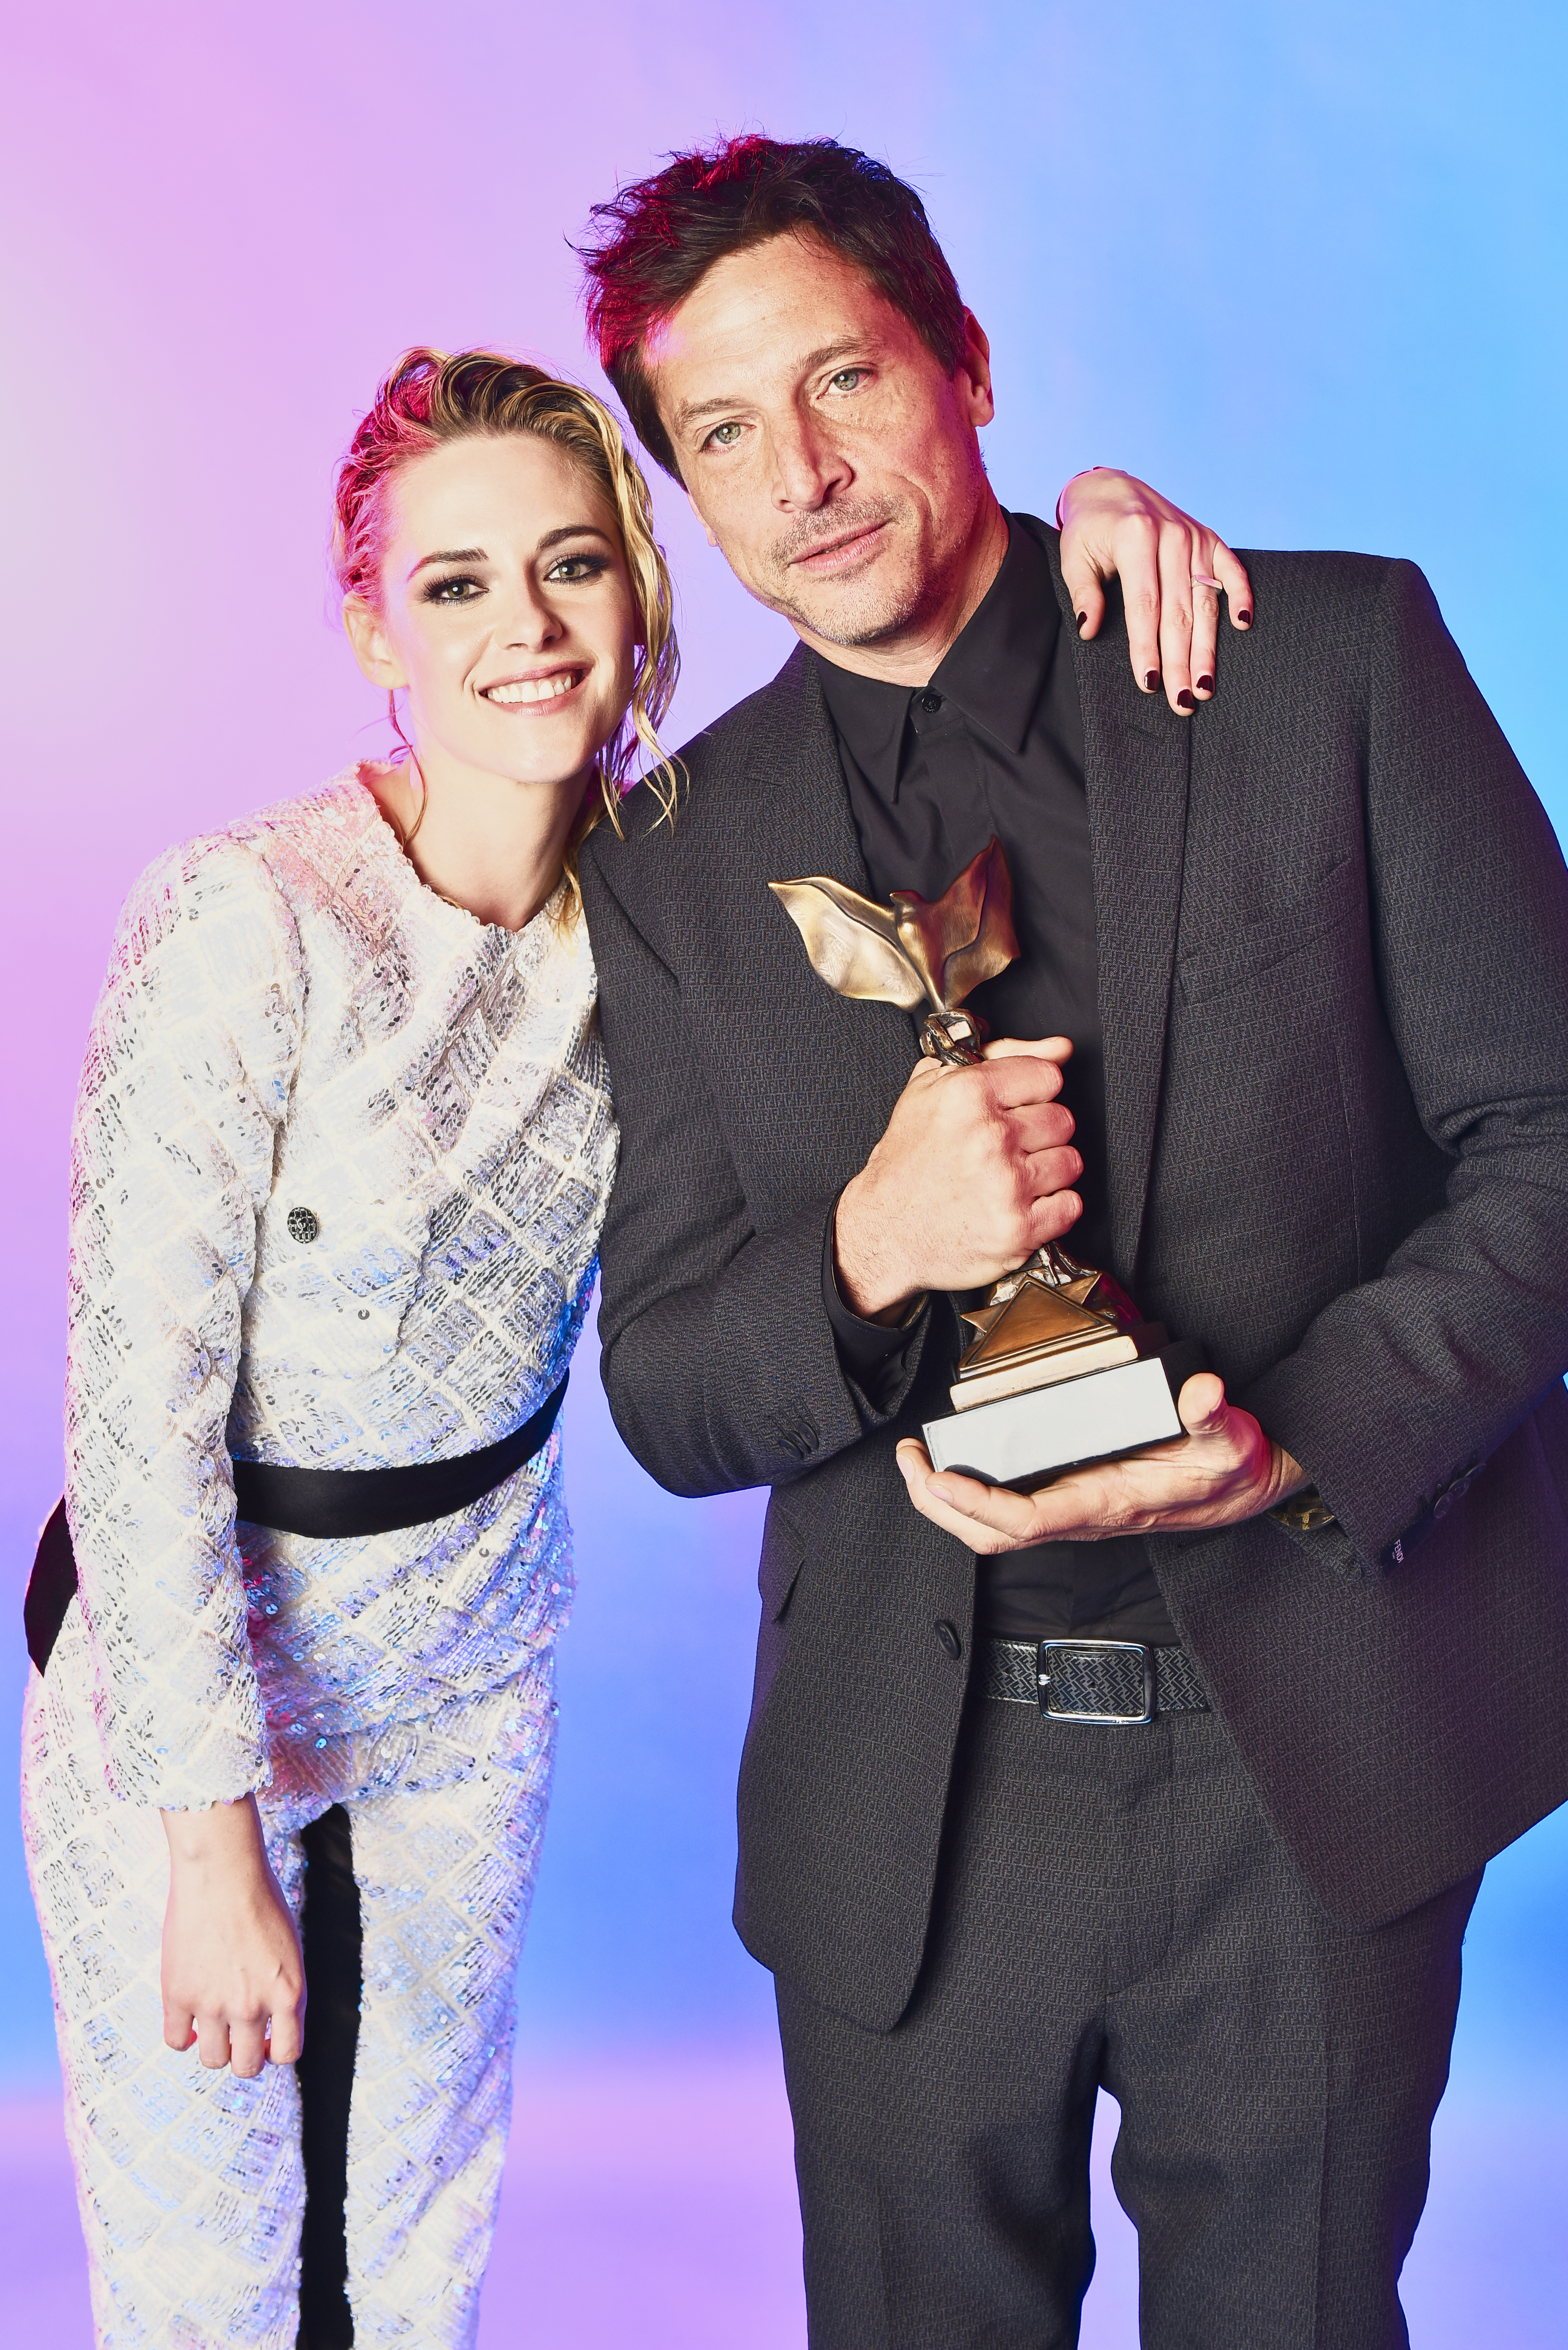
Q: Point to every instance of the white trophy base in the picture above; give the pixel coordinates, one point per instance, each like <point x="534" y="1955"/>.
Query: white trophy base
<point x="1021" y="1440"/>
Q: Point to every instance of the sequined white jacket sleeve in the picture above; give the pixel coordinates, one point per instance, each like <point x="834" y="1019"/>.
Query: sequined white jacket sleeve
<point x="341" y="1156"/>
<point x="185" y="1083"/>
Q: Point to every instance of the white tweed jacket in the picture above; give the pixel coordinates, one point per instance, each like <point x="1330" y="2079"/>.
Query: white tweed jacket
<point x="340" y="1157"/>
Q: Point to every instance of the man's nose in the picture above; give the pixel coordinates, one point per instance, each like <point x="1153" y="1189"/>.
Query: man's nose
<point x="807" y="466"/>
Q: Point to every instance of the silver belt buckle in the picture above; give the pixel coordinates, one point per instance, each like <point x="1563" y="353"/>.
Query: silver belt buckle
<point x="1138" y="1649"/>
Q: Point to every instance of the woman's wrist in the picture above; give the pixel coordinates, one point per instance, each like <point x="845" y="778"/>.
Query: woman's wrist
<point x="1081" y="476"/>
<point x="224" y="1836"/>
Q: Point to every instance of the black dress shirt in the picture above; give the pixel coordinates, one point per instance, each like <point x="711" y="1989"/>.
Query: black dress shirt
<point x="995" y="743"/>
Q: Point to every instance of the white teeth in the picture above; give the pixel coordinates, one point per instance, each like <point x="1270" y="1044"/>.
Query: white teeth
<point x="536" y="689"/>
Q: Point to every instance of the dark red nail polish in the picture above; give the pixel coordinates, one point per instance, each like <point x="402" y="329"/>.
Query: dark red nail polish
<point x="1205" y="685"/>
<point x="1150" y="679"/>
<point x="1243" y="618"/>
<point x="1083" y="620"/>
<point x="1184" y="701"/>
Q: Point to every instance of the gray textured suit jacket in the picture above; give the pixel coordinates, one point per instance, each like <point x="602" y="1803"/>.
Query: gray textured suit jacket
<point x="1334" y="977"/>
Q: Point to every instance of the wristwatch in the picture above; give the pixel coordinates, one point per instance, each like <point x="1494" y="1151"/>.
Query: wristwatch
<point x="1305" y="1511"/>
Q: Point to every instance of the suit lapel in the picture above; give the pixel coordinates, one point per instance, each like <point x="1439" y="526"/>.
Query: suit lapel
<point x="806" y="807"/>
<point x="1137" y="760"/>
<point x="834" y="1068"/>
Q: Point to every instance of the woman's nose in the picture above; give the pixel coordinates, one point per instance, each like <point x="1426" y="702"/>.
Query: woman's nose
<point x="531" y="621"/>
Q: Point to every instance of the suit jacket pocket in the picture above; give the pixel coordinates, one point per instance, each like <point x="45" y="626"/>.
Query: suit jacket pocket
<point x="1210" y="970"/>
<point x="783" y="1554"/>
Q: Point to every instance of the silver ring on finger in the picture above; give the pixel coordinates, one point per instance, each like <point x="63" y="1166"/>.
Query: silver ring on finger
<point x="1201" y="580"/>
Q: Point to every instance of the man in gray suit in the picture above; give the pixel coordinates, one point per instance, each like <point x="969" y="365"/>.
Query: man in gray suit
<point x="1306" y="938"/>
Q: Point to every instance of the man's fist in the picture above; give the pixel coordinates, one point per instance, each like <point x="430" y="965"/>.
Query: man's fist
<point x="969" y="1178"/>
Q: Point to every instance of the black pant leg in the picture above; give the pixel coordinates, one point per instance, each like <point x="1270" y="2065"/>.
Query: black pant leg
<point x="1278" y="2076"/>
<point x="1113" y="1908"/>
<point x="944" y="2166"/>
<point x="333" y="1983"/>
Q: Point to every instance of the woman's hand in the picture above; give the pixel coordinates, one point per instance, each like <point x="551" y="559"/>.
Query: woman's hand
<point x="1113" y="525"/>
<point x="233" y="1978"/>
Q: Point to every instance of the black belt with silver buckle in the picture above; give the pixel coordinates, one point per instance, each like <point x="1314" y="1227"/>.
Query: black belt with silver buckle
<point x="1114" y="1684"/>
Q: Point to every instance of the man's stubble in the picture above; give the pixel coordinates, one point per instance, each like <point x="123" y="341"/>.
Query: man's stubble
<point x="884" y="601"/>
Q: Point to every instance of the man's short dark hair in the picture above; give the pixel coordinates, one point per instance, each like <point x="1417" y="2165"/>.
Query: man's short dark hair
<point x="653" y="242"/>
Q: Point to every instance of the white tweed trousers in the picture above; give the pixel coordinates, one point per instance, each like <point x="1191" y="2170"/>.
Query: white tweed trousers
<point x="189" y="2182"/>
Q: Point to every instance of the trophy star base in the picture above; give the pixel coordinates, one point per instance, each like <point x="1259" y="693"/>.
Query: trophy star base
<point x="1022" y="1441"/>
<point x="1024" y="1373"/>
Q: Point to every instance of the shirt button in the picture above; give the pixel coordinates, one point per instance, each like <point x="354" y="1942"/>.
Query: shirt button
<point x="948" y="1635"/>
<point x="930" y="703"/>
<point x="304" y="1224"/>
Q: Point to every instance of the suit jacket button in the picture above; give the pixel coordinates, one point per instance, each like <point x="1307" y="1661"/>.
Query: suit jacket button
<point x="304" y="1224"/>
<point x="948" y="1635"/>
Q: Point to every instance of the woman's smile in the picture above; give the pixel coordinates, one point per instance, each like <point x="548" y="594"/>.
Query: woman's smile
<point x="536" y="691"/>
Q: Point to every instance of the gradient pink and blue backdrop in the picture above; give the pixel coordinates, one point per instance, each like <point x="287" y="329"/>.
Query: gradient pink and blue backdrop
<point x="1302" y="267"/>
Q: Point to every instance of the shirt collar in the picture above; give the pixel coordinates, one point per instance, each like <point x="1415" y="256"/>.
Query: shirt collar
<point x="996" y="668"/>
<point x="995" y="671"/>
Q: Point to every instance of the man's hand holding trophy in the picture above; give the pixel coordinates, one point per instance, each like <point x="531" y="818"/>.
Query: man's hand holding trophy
<point x="1061" y="1370"/>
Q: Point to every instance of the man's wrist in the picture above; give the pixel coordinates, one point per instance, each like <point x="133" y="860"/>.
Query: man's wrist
<point x="896" y="1316"/>
<point x="1306" y="1510"/>
<point x="871" y="1290"/>
<point x="1293" y="1499"/>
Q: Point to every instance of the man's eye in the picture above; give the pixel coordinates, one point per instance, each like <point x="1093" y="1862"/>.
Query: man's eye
<point x="847" y="380"/>
<point x="453" y="591"/>
<point x="724" y="436"/>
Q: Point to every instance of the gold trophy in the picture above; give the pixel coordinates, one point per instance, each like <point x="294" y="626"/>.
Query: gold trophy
<point x="1062" y="1367"/>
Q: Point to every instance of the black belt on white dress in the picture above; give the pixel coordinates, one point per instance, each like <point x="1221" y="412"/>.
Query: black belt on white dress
<point x="332" y="1504"/>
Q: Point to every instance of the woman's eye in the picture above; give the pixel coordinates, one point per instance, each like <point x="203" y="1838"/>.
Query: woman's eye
<point x="724" y="436"/>
<point x="574" y="568"/>
<point x="453" y="591"/>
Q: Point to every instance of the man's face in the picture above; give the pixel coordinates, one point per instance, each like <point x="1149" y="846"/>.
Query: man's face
<point x="824" y="450"/>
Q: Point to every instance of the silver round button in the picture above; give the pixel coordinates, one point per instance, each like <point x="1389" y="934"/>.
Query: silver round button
<point x="304" y="1224"/>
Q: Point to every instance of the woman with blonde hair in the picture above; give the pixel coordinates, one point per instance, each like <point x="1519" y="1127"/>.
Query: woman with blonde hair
<point x="340" y="1157"/>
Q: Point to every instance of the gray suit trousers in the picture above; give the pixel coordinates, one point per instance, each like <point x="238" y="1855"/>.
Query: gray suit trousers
<point x="1113" y="1910"/>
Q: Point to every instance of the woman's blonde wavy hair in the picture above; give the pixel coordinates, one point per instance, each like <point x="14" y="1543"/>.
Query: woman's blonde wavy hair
<point x="430" y="397"/>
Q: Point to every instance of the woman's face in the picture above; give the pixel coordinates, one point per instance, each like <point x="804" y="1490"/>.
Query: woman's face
<point x="505" y="609"/>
